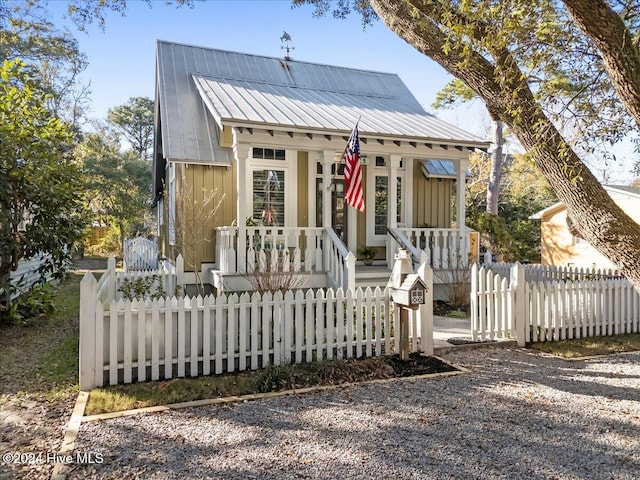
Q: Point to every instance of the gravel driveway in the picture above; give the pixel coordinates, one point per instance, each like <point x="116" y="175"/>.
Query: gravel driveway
<point x="518" y="415"/>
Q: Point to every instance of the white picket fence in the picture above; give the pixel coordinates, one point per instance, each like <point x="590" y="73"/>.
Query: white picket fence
<point x="536" y="311"/>
<point x="169" y="277"/>
<point x="124" y="341"/>
<point x="140" y="253"/>
<point x="549" y="273"/>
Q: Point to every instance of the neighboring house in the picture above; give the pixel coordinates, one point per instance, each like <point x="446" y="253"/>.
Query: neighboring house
<point x="560" y="248"/>
<point x="270" y="134"/>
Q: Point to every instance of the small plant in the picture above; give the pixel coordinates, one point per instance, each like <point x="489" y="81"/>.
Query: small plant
<point x="457" y="279"/>
<point x="368" y="254"/>
<point x="273" y="277"/>
<point x="273" y="378"/>
<point x="142" y="288"/>
<point x="35" y="304"/>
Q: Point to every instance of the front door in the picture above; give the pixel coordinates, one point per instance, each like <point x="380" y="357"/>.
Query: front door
<point x="338" y="207"/>
<point x="338" y="210"/>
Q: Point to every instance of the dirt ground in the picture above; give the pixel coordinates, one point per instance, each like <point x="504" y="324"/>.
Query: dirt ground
<point x="33" y="418"/>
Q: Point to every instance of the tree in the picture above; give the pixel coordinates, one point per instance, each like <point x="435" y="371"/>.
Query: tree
<point x="134" y="120"/>
<point x="117" y="183"/>
<point x="455" y="92"/>
<point x="523" y="192"/>
<point x="52" y="54"/>
<point x="40" y="182"/>
<point x="487" y="46"/>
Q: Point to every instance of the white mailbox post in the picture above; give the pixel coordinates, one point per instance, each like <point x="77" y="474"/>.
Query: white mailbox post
<point x="409" y="292"/>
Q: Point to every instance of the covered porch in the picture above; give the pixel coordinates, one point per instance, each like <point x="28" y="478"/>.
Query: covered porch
<point x="292" y="216"/>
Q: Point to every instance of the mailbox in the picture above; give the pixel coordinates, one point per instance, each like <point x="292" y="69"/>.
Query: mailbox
<point x="412" y="292"/>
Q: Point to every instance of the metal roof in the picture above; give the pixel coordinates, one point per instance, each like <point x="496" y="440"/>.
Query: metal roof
<point x="438" y="169"/>
<point x="198" y="86"/>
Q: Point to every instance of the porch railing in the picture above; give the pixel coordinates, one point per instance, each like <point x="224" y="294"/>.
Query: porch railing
<point x="297" y="249"/>
<point x="444" y="247"/>
<point x="399" y="239"/>
<point x="339" y="262"/>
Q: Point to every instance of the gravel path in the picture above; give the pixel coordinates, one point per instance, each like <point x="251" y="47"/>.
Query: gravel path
<point x="518" y="415"/>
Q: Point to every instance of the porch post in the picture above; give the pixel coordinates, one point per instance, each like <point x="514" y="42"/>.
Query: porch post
<point x="242" y="153"/>
<point x="327" y="161"/>
<point x="463" y="165"/>
<point x="392" y="204"/>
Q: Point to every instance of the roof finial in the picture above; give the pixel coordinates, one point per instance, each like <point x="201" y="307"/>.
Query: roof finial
<point x="286" y="38"/>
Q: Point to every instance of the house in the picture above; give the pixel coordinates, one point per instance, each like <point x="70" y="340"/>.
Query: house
<point x="270" y="133"/>
<point x="560" y="248"/>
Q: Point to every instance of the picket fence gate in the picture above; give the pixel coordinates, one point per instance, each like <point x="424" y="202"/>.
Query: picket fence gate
<point x="140" y="253"/>
<point x="126" y="341"/>
<point x="514" y="307"/>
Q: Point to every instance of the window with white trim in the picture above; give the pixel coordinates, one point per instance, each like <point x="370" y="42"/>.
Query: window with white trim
<point x="269" y="197"/>
<point x="271" y="180"/>
<point x="376" y="198"/>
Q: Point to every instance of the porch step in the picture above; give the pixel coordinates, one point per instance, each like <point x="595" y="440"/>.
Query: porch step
<point x="372" y="276"/>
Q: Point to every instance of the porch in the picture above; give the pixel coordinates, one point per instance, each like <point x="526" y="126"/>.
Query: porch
<point x="320" y="258"/>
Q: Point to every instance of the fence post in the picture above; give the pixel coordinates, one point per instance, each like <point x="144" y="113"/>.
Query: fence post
<point x="488" y="259"/>
<point x="180" y="273"/>
<point x="87" y="364"/>
<point x="350" y="260"/>
<point x="519" y="318"/>
<point x="425" y="312"/>
<point x="111" y="269"/>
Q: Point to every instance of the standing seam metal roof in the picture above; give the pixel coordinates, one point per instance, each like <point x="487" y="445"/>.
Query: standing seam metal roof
<point x="197" y="85"/>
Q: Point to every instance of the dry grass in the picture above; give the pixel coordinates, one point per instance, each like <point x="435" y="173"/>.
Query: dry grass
<point x="586" y="347"/>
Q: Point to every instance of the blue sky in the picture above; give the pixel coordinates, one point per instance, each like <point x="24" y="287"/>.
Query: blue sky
<point x="122" y="58"/>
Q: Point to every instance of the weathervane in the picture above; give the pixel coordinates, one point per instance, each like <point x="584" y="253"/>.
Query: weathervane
<point x="286" y="38"/>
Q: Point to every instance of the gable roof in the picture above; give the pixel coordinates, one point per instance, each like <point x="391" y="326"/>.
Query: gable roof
<point x="197" y="87"/>
<point x="611" y="189"/>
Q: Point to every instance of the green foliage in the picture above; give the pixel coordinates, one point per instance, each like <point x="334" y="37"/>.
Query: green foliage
<point x="134" y="120"/>
<point x="40" y="205"/>
<point x="51" y="55"/>
<point x="29" y="307"/>
<point x="453" y="93"/>
<point x="524" y="192"/>
<point x="272" y="378"/>
<point x="117" y="184"/>
<point x="150" y="287"/>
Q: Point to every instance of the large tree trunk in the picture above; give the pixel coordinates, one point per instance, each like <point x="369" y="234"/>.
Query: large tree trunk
<point x="495" y="174"/>
<point x="620" y="53"/>
<point x="509" y="99"/>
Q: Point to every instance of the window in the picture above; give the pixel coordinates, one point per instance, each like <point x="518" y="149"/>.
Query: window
<point x="268" y="154"/>
<point x="269" y="197"/>
<point x="380" y="203"/>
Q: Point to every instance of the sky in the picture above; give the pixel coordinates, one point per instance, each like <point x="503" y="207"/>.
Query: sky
<point x="122" y="57"/>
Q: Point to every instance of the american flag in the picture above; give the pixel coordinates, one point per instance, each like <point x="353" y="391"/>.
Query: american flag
<point x="353" y="172"/>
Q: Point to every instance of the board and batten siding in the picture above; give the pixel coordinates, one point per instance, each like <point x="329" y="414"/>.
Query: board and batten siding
<point x="199" y="179"/>
<point x="432" y="199"/>
<point x="303" y="189"/>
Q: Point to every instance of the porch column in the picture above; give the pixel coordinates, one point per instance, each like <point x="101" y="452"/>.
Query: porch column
<point x="242" y="154"/>
<point x="392" y="194"/>
<point x="327" y="161"/>
<point x="461" y="213"/>
<point x="392" y="204"/>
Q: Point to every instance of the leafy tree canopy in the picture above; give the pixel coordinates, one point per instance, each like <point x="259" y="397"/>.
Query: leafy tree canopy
<point x="117" y="182"/>
<point x="134" y="120"/>
<point x="40" y="205"/>
<point x="52" y="54"/>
